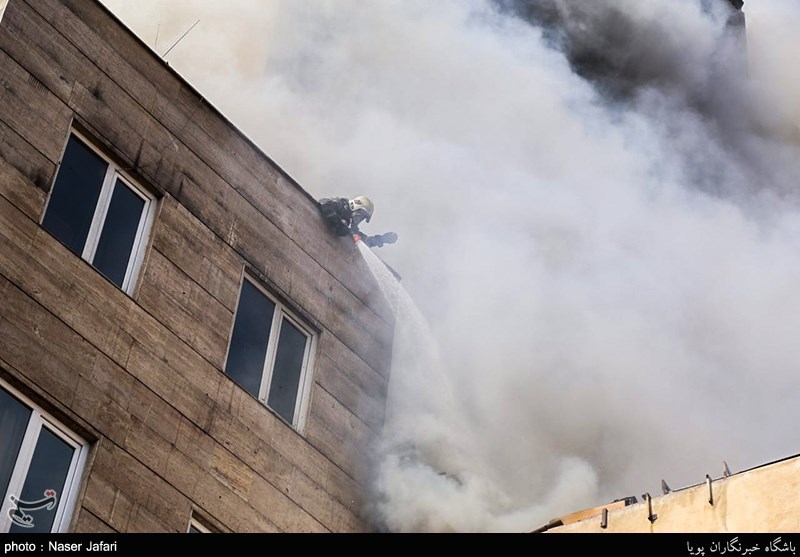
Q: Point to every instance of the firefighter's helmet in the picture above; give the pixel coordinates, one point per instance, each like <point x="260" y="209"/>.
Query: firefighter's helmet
<point x="362" y="205"/>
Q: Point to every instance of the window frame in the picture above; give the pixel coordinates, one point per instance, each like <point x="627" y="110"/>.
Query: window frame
<point x="197" y="525"/>
<point x="113" y="173"/>
<point x="281" y="312"/>
<point x="40" y="419"/>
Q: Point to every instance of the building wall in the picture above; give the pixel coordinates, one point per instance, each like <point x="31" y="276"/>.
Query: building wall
<point x="762" y="500"/>
<point x="141" y="376"/>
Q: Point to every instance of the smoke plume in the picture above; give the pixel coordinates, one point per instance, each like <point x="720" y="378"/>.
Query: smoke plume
<point x="597" y="209"/>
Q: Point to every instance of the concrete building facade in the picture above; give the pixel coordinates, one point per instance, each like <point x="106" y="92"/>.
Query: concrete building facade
<point x="183" y="344"/>
<point x="760" y="500"/>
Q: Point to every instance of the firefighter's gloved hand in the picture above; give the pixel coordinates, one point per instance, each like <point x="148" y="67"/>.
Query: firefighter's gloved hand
<point x="389" y="238"/>
<point x="380" y="239"/>
<point x="374" y="241"/>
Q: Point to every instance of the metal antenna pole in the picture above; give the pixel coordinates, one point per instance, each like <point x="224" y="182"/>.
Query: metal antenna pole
<point x="180" y="38"/>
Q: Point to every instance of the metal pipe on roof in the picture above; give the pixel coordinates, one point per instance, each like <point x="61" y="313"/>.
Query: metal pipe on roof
<point x="710" y="491"/>
<point x="650" y="516"/>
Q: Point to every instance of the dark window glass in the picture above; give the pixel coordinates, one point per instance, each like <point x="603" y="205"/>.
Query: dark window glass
<point x="13" y="421"/>
<point x="75" y="193"/>
<point x="286" y="373"/>
<point x="193" y="530"/>
<point x="250" y="336"/>
<point x="119" y="232"/>
<point x="48" y="471"/>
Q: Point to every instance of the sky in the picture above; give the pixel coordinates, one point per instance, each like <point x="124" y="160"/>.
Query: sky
<point x="603" y="269"/>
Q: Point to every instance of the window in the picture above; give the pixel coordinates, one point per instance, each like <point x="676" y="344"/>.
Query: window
<point x="99" y="214"/>
<point x="269" y="354"/>
<point x="40" y="463"/>
<point x="197" y="527"/>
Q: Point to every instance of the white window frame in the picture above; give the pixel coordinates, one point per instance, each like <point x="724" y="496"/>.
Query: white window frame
<point x="40" y="419"/>
<point x="114" y="173"/>
<point x="197" y="525"/>
<point x="304" y="387"/>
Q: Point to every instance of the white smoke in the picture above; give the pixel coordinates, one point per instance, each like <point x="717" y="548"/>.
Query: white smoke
<point x="612" y="284"/>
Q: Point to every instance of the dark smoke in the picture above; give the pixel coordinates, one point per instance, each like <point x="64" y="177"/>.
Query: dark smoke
<point x="606" y="43"/>
<point x="645" y="64"/>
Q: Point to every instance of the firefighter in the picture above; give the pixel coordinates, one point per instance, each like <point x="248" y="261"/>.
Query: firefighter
<point x="344" y="215"/>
